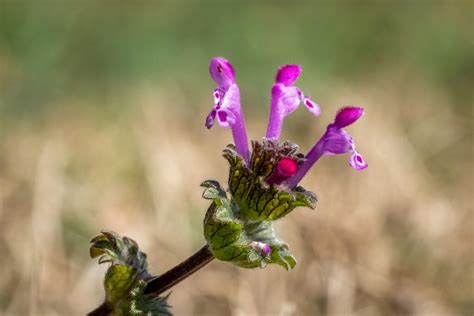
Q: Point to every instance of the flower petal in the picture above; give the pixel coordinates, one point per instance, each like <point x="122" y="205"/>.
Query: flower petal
<point x="217" y="94"/>
<point x="288" y="74"/>
<point x="222" y="72"/>
<point x="313" y="107"/>
<point x="336" y="141"/>
<point x="225" y="118"/>
<point x="347" y="115"/>
<point x="288" y="98"/>
<point x="357" y="161"/>
<point x="210" y="118"/>
<point x="231" y="99"/>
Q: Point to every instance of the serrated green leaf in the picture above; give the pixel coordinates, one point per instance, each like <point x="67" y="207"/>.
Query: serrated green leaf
<point x="282" y="256"/>
<point x="210" y="193"/>
<point x="98" y="238"/>
<point x="149" y="305"/>
<point x="211" y="184"/>
<point x="119" y="280"/>
<point x="261" y="231"/>
<point x="105" y="259"/>
<point x="105" y="245"/>
<point x="95" y="252"/>
<point x="221" y="229"/>
<point x="213" y="191"/>
<point x="249" y="258"/>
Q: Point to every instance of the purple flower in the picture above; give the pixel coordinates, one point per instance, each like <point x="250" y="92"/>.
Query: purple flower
<point x="286" y="98"/>
<point x="265" y="187"/>
<point x="334" y="141"/>
<point x="263" y="247"/>
<point x="227" y="109"/>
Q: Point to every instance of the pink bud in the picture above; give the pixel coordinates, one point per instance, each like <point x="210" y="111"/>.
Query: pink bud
<point x="347" y="115"/>
<point x="266" y="249"/>
<point x="288" y="74"/>
<point x="285" y="168"/>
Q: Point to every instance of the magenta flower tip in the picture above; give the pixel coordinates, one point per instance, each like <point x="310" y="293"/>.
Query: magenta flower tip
<point x="347" y="115"/>
<point x="288" y="74"/>
<point x="266" y="249"/>
<point x="222" y="72"/>
<point x="285" y="168"/>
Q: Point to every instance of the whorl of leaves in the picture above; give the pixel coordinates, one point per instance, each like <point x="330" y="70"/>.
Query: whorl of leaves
<point x="234" y="224"/>
<point x="125" y="280"/>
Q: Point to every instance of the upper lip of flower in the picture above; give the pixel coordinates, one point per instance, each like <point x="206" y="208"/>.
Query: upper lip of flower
<point x="227" y="107"/>
<point x="286" y="98"/>
<point x="288" y="74"/>
<point x="347" y="115"/>
<point x="222" y="72"/>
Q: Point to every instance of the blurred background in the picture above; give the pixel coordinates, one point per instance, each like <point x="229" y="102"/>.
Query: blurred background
<point x="102" y="107"/>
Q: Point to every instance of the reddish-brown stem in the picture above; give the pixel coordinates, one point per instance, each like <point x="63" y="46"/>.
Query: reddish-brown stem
<point x="180" y="272"/>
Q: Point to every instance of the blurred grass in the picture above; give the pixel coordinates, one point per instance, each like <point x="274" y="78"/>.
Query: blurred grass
<point x="62" y="49"/>
<point x="101" y="112"/>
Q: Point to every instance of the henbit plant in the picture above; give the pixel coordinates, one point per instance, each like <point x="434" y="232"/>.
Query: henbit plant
<point x="238" y="226"/>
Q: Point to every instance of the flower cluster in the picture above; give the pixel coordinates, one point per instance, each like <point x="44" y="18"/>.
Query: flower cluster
<point x="263" y="182"/>
<point x="285" y="99"/>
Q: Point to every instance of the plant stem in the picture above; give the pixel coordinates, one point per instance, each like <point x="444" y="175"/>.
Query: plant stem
<point x="180" y="272"/>
<point x="167" y="280"/>
<point x="103" y="310"/>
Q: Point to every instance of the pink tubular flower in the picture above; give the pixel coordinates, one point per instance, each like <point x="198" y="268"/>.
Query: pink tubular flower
<point x="227" y="109"/>
<point x="286" y="98"/>
<point x="260" y="246"/>
<point x="334" y="141"/>
<point x="238" y="225"/>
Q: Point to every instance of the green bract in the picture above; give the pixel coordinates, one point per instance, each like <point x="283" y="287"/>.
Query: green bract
<point x="233" y="226"/>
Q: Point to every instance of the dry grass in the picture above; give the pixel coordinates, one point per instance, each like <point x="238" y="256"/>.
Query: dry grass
<point x="395" y="239"/>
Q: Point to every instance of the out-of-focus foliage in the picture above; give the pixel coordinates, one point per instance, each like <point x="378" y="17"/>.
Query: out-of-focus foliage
<point x="61" y="50"/>
<point x="102" y="105"/>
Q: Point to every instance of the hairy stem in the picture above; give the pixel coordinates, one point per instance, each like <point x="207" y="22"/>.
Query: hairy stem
<point x="180" y="272"/>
